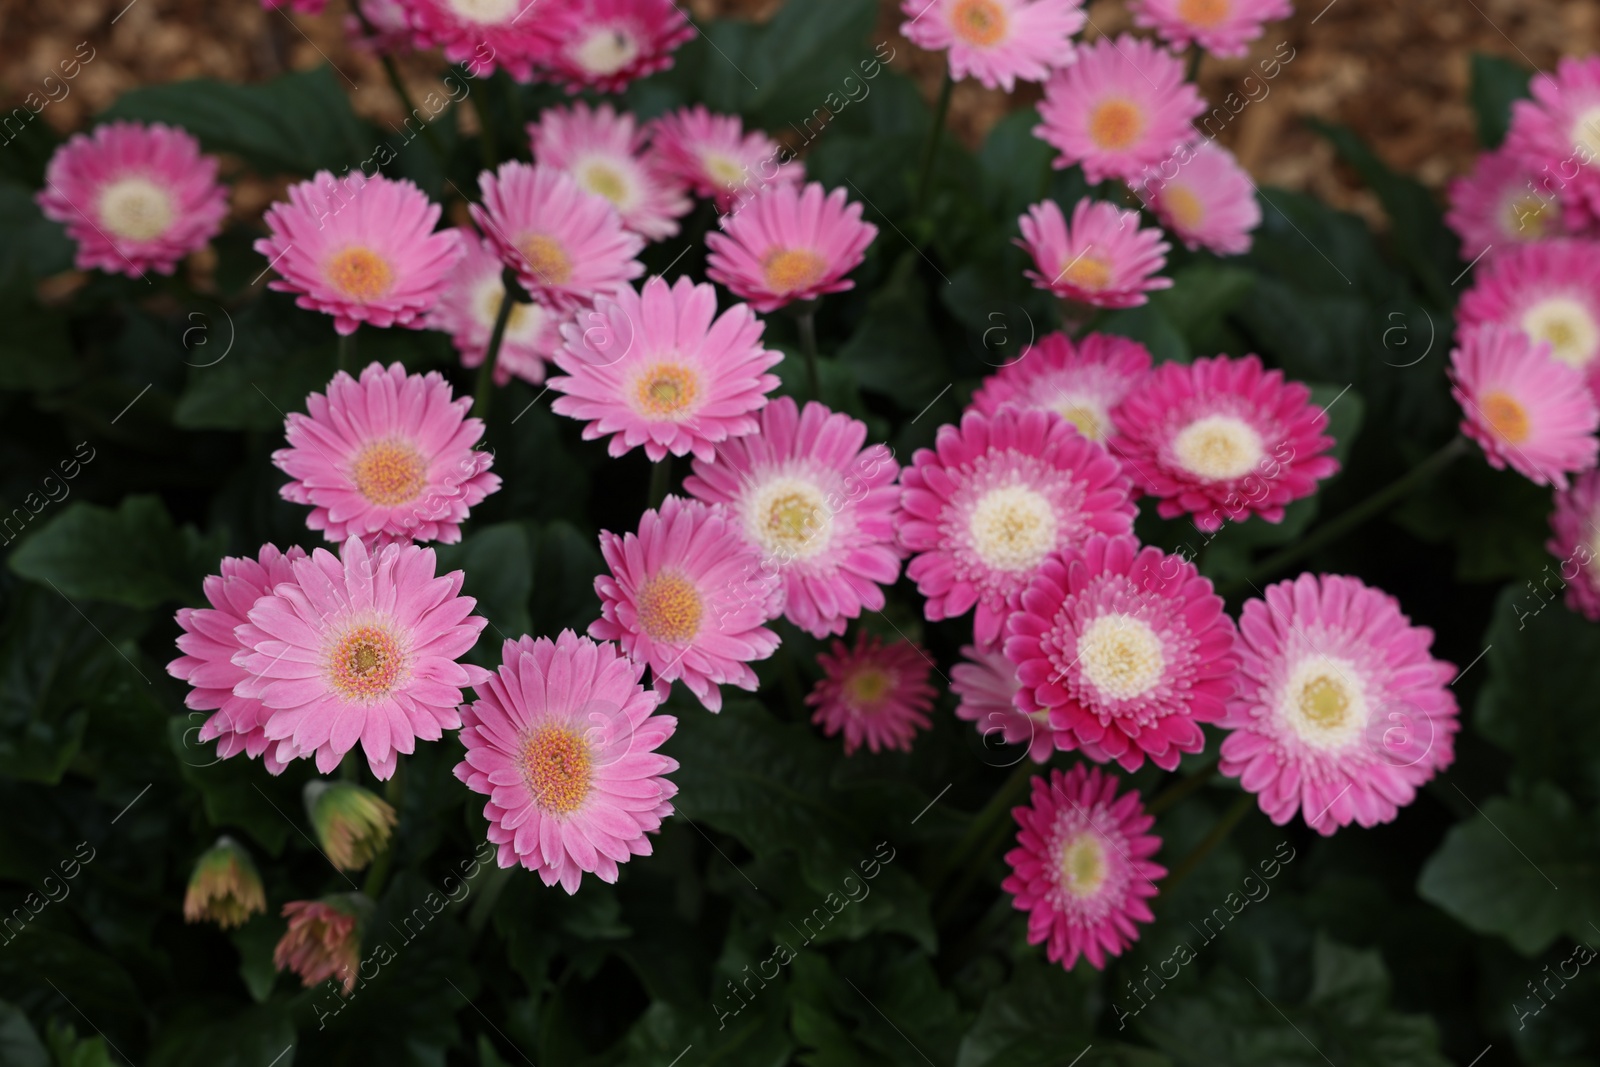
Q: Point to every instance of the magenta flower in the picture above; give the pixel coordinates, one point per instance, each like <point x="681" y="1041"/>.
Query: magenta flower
<point x="484" y="35"/>
<point x="789" y="244"/>
<point x="1121" y="109"/>
<point x="562" y="740"/>
<point x="989" y="503"/>
<point x="1082" y="867"/>
<point x="686" y="595"/>
<point x="1550" y="290"/>
<point x="1575" y="541"/>
<point x="817" y="503"/>
<point x="468" y="308"/>
<point x="360" y="249"/>
<point x="1103" y="259"/>
<point x="1083" y="382"/>
<point x="605" y="153"/>
<point x="1204" y="197"/>
<point x="134" y="197"/>
<point x="1528" y="411"/>
<point x="1221" y="27"/>
<point x="209" y="644"/>
<point x="1557" y="135"/>
<point x="360" y="648"/>
<point x="1127" y="648"/>
<point x="605" y="44"/>
<point x="986" y="683"/>
<point x="388" y="455"/>
<point x="1500" y="203"/>
<point x="997" y="42"/>
<point x="1341" y="712"/>
<point x="715" y="157"/>
<point x="567" y="246"/>
<point x="1223" y="439"/>
<point x="876" y="694"/>
<point x="661" y="370"/>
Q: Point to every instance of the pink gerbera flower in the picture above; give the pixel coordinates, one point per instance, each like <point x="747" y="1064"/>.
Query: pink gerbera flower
<point x="484" y="34"/>
<point x="134" y="197"/>
<point x="1204" y="197"/>
<point x="390" y="22"/>
<point x="323" y="940"/>
<point x="208" y="644"/>
<point x="605" y="44"/>
<point x="605" y="153"/>
<point x="1127" y="648"/>
<point x="661" y="369"/>
<point x="1548" y="289"/>
<point x="468" y="308"/>
<point x="360" y="249"/>
<point x="1221" y="27"/>
<point x="1122" y="108"/>
<point x="1575" y="541"/>
<point x="715" y="157"/>
<point x="986" y="682"/>
<point x="361" y="647"/>
<point x="1104" y="259"/>
<point x="816" y="505"/>
<point x="876" y="693"/>
<point x="686" y="596"/>
<point x="563" y="743"/>
<point x="1498" y="204"/>
<point x="997" y="41"/>
<point x="1525" y="409"/>
<point x="789" y="244"/>
<point x="390" y="454"/>
<point x="1223" y="439"/>
<point x="989" y="503"/>
<point x="1341" y="712"/>
<point x="1082" y="870"/>
<point x="566" y="245"/>
<point x="1557" y="134"/>
<point x="1081" y="382"/>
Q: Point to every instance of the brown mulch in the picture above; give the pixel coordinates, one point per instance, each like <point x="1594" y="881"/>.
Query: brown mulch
<point x="1396" y="71"/>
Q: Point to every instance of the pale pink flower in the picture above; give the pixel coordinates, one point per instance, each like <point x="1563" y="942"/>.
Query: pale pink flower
<point x="605" y="153"/>
<point x="1204" y="197"/>
<point x="1550" y="290"/>
<point x="1501" y="203"/>
<point x="716" y="157"/>
<point x="1221" y="27"/>
<point x="1575" y="541"/>
<point x="1104" y="259"/>
<point x="877" y="694"/>
<point x="467" y="310"/>
<point x="986" y="683"/>
<point x="788" y="244"/>
<point x="997" y="41"/>
<point x="1082" y="382"/>
<point x="1557" y="136"/>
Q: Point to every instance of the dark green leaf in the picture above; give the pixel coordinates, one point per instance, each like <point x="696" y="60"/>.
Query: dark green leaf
<point x="1496" y="82"/>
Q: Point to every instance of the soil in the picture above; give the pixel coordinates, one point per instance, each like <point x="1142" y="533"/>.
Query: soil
<point x="1396" y="71"/>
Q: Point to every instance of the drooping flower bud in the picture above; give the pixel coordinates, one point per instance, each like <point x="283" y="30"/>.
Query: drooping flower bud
<point x="324" y="938"/>
<point x="352" y="823"/>
<point x="225" y="887"/>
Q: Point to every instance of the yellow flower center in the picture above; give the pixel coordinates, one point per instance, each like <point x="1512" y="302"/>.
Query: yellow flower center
<point x="389" y="473"/>
<point x="1507" y="418"/>
<point x="1115" y="124"/>
<point x="1322" y="703"/>
<point x="790" y="269"/>
<point x="547" y="259"/>
<point x="724" y="169"/>
<point x="606" y="51"/>
<point x="136" y="209"/>
<point x="1088" y="272"/>
<point x="979" y="22"/>
<point x="666" y="391"/>
<point x="600" y="177"/>
<point x="1185" y="208"/>
<point x="1090" y="420"/>
<point x="1013" y="528"/>
<point x="1527" y="217"/>
<point x="365" y="663"/>
<point x="1120" y="656"/>
<point x="1218" y="447"/>
<point x="558" y="766"/>
<point x="789" y="517"/>
<point x="1203" y="13"/>
<point x="360" y="273"/>
<point x="1586" y="133"/>
<point x="1573" y="334"/>
<point x="1083" y="865"/>
<point x="670" y="608"/>
<point x="866" y="688"/>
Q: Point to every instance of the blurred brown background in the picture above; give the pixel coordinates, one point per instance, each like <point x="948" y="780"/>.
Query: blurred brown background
<point x="1395" y="70"/>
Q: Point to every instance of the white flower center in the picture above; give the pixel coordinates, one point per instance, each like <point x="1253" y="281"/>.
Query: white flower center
<point x="605" y="177"/>
<point x="136" y="209"/>
<point x="489" y="11"/>
<point x="789" y="518"/>
<point x="1585" y="133"/>
<point x="1013" y="528"/>
<point x="1573" y="334"/>
<point x="1322" y="702"/>
<point x="1083" y="865"/>
<point x="1120" y="656"/>
<point x="1089" y="417"/>
<point x="1218" y="447"/>
<point x="724" y="169"/>
<point x="606" y="51"/>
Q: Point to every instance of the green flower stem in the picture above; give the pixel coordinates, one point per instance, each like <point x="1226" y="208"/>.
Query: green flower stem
<point x="660" y="480"/>
<point x="378" y="873"/>
<point x="1180" y="789"/>
<point x="485" y="134"/>
<point x="347" y="352"/>
<point x="1374" y="505"/>
<point x="484" y="394"/>
<point x="981" y="827"/>
<point x="1218" y="834"/>
<point x="807" y="321"/>
<point x="940" y="111"/>
<point x="1196" y="54"/>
